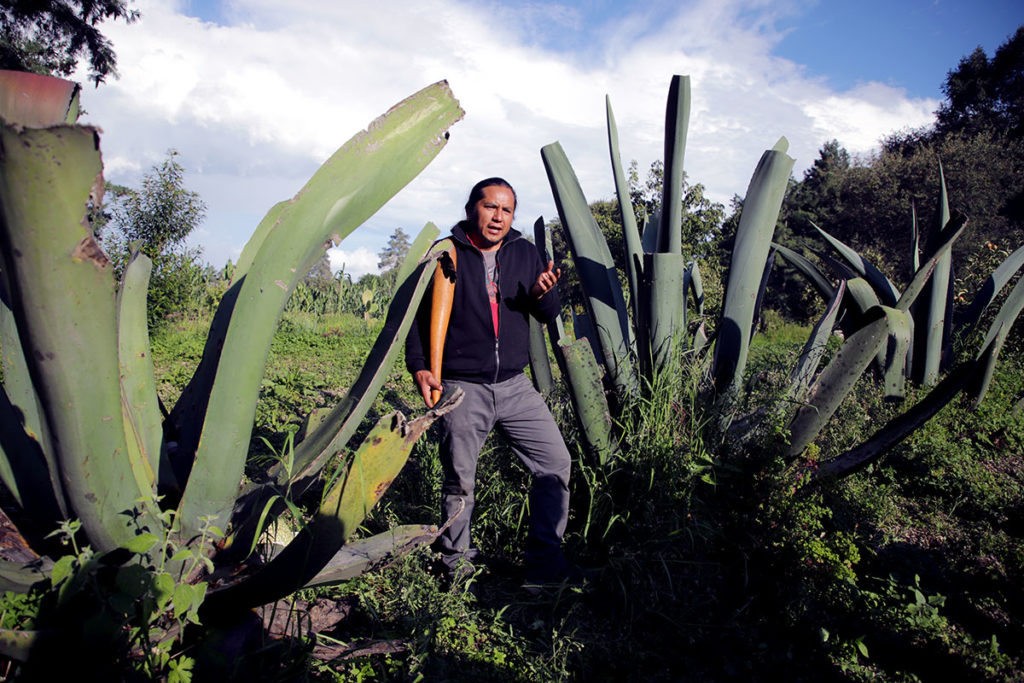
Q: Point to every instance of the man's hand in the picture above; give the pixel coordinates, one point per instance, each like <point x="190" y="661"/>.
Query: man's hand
<point x="546" y="280"/>
<point x="426" y="381"/>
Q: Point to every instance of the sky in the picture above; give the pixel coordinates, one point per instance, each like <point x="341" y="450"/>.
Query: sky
<point x="255" y="94"/>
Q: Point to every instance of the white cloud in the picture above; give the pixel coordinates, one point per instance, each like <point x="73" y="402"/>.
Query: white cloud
<point x="255" y="107"/>
<point x="356" y="263"/>
<point x="857" y="116"/>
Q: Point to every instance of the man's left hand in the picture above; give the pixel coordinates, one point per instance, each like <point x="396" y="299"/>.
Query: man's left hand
<point x="546" y="280"/>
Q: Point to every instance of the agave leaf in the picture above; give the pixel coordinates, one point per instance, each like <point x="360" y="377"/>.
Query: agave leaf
<point x="333" y="433"/>
<point x="899" y="427"/>
<point x="642" y="315"/>
<point x="663" y="314"/>
<point x="677" y="120"/>
<point x="26" y="460"/>
<point x="806" y="365"/>
<point x="33" y="101"/>
<point x="366" y="554"/>
<point x="556" y="328"/>
<point x="700" y="339"/>
<point x="837" y="379"/>
<point x="765" y="274"/>
<point x="256" y="240"/>
<point x="894" y="363"/>
<point x="328" y="437"/>
<point x="915" y="239"/>
<point x="692" y="285"/>
<point x="587" y="393"/>
<point x="23" y="468"/>
<point x="935" y="332"/>
<point x="540" y="365"/>
<point x="185" y="420"/>
<point x="598" y="276"/>
<point x="649" y="231"/>
<point x="839" y="268"/>
<point x="630" y="232"/>
<point x="750" y="251"/>
<point x="348" y="499"/>
<point x="543" y="243"/>
<point x="139" y="403"/>
<point x="62" y="296"/>
<point x="17" y="382"/>
<point x="884" y="288"/>
<point x="342" y="194"/>
<point x="807" y="269"/>
<point x="861" y="298"/>
<point x="687" y="288"/>
<point x="583" y="328"/>
<point x="954" y="229"/>
<point x="417" y="250"/>
<point x="696" y="285"/>
<point x="37" y="101"/>
<point x="663" y="304"/>
<point x="996" y="337"/>
<point x="20" y="577"/>
<point x="990" y="290"/>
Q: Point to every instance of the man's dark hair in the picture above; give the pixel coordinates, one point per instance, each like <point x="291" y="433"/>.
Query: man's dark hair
<point x="477" y="193"/>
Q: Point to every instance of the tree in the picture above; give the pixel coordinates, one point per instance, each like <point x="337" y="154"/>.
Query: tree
<point x="868" y="204"/>
<point x="394" y="253"/>
<point x="162" y="213"/>
<point x="986" y="93"/>
<point x="819" y="196"/>
<point x="51" y="36"/>
<point x="320" y="276"/>
<point x="702" y="218"/>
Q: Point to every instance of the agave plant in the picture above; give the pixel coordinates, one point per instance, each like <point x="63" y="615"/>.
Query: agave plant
<point x="638" y="342"/>
<point x="880" y="321"/>
<point x="904" y="333"/>
<point x="84" y="437"/>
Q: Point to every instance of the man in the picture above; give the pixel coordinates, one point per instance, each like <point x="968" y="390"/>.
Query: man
<point x="500" y="282"/>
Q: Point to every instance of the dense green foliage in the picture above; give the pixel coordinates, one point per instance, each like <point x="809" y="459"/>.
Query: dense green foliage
<point x="703" y="563"/>
<point x="155" y="219"/>
<point x="160" y="214"/>
<point x="978" y="137"/>
<point x="51" y="37"/>
<point x="983" y="92"/>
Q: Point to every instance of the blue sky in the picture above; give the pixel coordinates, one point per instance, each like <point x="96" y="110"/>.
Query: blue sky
<point x="905" y="43"/>
<point x="255" y="94"/>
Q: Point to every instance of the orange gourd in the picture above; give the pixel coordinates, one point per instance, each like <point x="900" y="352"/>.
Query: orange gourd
<point x="440" y="313"/>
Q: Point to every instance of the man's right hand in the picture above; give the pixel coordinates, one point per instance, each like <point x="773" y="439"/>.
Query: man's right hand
<point x="426" y="381"/>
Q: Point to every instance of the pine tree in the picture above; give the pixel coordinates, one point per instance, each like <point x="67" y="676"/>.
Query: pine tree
<point x="394" y="253"/>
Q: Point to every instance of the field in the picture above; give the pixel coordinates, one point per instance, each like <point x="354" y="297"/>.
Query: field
<point x="702" y="562"/>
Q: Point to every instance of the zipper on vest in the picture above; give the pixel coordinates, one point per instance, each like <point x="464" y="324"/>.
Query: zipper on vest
<point x="497" y="336"/>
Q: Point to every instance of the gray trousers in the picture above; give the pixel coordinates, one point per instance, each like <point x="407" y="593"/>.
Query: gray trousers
<point x="516" y="408"/>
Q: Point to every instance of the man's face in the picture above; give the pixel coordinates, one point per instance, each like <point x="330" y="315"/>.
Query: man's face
<point x="492" y="215"/>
